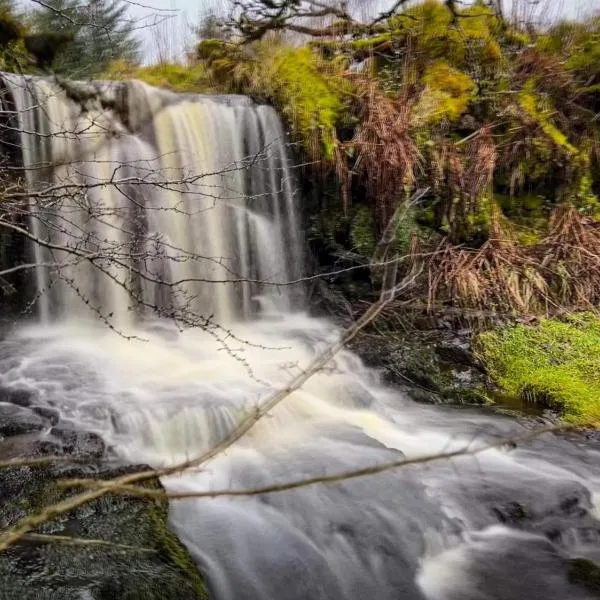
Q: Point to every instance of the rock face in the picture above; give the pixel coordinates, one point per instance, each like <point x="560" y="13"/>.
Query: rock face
<point x="432" y="363"/>
<point x="132" y="556"/>
<point x="15" y="420"/>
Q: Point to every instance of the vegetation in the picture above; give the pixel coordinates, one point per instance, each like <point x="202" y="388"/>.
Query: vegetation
<point x="494" y="120"/>
<point x="493" y="125"/>
<point x="171" y="76"/>
<point x="99" y="33"/>
<point x="556" y="363"/>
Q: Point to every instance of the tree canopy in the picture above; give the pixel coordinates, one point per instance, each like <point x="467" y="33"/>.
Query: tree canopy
<point x="101" y="33"/>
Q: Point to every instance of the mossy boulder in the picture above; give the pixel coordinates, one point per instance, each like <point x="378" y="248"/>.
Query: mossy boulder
<point x="427" y="355"/>
<point x="555" y="363"/>
<point x="132" y="556"/>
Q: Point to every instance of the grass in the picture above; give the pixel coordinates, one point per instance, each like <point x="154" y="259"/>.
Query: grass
<point x="172" y="76"/>
<point x="555" y="363"/>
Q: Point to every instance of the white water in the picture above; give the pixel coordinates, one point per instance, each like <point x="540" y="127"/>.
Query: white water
<point x="165" y="392"/>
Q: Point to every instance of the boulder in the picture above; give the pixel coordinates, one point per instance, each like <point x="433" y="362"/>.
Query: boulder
<point x="115" y="547"/>
<point x="17" y="420"/>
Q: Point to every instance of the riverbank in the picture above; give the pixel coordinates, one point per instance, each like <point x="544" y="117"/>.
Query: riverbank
<point x="544" y="369"/>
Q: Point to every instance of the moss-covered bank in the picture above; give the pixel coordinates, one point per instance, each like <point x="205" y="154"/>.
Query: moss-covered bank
<point x="555" y="363"/>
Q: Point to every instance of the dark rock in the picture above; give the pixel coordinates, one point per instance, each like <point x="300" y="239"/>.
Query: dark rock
<point x="140" y="560"/>
<point x="18" y="396"/>
<point x="50" y="414"/>
<point x="79" y="443"/>
<point x="455" y="352"/>
<point x="16" y="420"/>
<point x="423" y="396"/>
<point x="585" y="572"/>
<point x="28" y="445"/>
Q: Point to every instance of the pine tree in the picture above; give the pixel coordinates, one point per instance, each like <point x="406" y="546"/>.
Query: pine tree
<point x="101" y="33"/>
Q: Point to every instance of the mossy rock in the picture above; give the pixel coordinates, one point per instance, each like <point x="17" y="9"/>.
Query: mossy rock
<point x="555" y="364"/>
<point x="586" y="573"/>
<point x="431" y="362"/>
<point x="142" y="559"/>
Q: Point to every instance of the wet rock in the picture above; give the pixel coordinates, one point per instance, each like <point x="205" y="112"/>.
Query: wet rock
<point x="29" y="445"/>
<point x="16" y="420"/>
<point x="585" y="572"/>
<point x="500" y="564"/>
<point x="50" y="414"/>
<point x="18" y="396"/>
<point x="79" y="443"/>
<point x="140" y="558"/>
<point x="455" y="352"/>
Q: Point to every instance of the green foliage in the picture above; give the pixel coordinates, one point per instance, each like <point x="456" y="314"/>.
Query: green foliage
<point x="172" y="76"/>
<point x="13" y="56"/>
<point x="310" y="99"/>
<point x="556" y="363"/>
<point x="584" y="198"/>
<point x="362" y="231"/>
<point x="578" y="43"/>
<point x="446" y="96"/>
<point x="211" y="49"/>
<point x="533" y="105"/>
<point x="102" y="33"/>
<point x="431" y="29"/>
<point x="295" y="80"/>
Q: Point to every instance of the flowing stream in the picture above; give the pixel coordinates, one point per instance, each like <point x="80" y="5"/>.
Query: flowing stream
<point x="141" y="199"/>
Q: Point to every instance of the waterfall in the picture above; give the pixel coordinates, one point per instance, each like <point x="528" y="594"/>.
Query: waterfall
<point x="150" y="212"/>
<point x="140" y="197"/>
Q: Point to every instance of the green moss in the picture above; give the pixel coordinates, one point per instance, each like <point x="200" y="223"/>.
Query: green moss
<point x="362" y="231"/>
<point x="297" y="81"/>
<point x="556" y="363"/>
<point x="307" y="96"/>
<point x="372" y="42"/>
<point x="173" y="76"/>
<point x="585" y="572"/>
<point x="432" y="30"/>
<point x="531" y="103"/>
<point x="211" y="49"/>
<point x="577" y="42"/>
<point x="446" y="96"/>
<point x="173" y="550"/>
<point x="527" y="214"/>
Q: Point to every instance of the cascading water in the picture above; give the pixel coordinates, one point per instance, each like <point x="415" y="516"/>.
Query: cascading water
<point x="140" y="212"/>
<point x="143" y="214"/>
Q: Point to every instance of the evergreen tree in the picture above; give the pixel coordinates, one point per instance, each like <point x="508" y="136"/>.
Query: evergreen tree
<point x="101" y="34"/>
